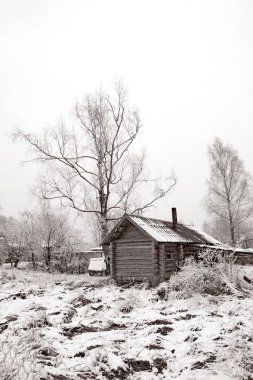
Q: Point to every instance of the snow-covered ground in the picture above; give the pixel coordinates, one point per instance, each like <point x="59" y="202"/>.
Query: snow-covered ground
<point x="76" y="327"/>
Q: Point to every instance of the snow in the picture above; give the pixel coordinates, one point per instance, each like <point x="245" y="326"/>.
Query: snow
<point x="79" y="327"/>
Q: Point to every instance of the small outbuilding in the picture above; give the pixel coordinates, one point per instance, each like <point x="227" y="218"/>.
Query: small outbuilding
<point x="151" y="249"/>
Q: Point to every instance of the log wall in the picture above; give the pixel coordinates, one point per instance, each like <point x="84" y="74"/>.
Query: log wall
<point x="168" y="265"/>
<point x="191" y="249"/>
<point x="155" y="264"/>
<point x="244" y="258"/>
<point x="133" y="260"/>
<point x="131" y="233"/>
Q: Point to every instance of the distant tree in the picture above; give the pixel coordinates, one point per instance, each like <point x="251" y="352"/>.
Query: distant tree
<point x="42" y="234"/>
<point x="218" y="228"/>
<point x="31" y="237"/>
<point x="90" y="167"/>
<point x="229" y="199"/>
<point x="53" y="232"/>
<point x="13" y="232"/>
<point x="2" y="240"/>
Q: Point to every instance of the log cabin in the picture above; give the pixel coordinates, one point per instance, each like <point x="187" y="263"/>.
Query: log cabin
<point x="151" y="249"/>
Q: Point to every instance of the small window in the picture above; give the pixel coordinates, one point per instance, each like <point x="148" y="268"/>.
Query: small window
<point x="168" y="256"/>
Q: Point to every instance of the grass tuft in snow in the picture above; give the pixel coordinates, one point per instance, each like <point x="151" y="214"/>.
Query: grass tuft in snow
<point x="213" y="274"/>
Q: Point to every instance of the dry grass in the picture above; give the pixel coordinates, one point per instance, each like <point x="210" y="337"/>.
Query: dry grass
<point x="25" y="275"/>
<point x="58" y="326"/>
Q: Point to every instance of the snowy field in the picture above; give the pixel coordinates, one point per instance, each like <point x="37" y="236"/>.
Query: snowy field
<point x="75" y="327"/>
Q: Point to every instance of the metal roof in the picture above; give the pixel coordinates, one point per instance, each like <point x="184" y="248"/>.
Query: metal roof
<point x="162" y="231"/>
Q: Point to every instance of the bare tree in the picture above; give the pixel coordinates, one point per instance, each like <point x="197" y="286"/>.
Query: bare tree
<point x="52" y="231"/>
<point x="30" y="236"/>
<point x="229" y="197"/>
<point x="13" y="231"/>
<point x="89" y="165"/>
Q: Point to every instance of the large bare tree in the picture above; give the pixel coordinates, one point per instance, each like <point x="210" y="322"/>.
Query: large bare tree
<point x="90" y="167"/>
<point x="230" y="197"/>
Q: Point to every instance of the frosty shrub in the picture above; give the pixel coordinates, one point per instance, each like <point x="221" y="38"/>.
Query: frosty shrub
<point x="18" y="356"/>
<point x="6" y="277"/>
<point x="69" y="263"/>
<point x="213" y="273"/>
<point x="110" y="366"/>
<point x="131" y="301"/>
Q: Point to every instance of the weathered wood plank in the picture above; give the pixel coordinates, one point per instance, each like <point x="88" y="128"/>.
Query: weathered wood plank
<point x="162" y="269"/>
<point x="142" y="257"/>
<point x="134" y="265"/>
<point x="122" y="279"/>
<point x="134" y="274"/>
<point x="170" y="267"/>
<point x="132" y="233"/>
<point x="133" y="249"/>
<point x="134" y="257"/>
<point x="133" y="242"/>
<point x="112" y="260"/>
<point x="135" y="262"/>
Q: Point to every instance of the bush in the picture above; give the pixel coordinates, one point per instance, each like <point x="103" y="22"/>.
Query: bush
<point x="18" y="356"/>
<point x="6" y="277"/>
<point x="213" y="273"/>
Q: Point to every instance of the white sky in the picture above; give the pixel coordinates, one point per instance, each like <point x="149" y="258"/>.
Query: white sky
<point x="188" y="66"/>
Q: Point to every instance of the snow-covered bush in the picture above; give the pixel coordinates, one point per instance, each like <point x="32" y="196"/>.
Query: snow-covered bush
<point x="130" y="301"/>
<point x="18" y="356"/>
<point x="66" y="262"/>
<point x="213" y="273"/>
<point x="6" y="277"/>
<point x="106" y="365"/>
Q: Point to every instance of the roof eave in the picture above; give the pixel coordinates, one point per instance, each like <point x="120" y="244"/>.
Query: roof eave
<point x="107" y="239"/>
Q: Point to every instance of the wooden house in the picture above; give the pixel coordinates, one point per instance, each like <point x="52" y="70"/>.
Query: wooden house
<point x="151" y="249"/>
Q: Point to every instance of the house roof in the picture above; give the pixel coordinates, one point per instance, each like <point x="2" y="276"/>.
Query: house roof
<point x="161" y="231"/>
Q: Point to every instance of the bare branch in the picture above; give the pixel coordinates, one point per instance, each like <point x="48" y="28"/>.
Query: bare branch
<point x="89" y="166"/>
<point x="229" y="188"/>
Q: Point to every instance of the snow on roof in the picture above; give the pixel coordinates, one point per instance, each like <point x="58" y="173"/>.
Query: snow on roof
<point x="162" y="231"/>
<point x="204" y="235"/>
<point x="225" y="247"/>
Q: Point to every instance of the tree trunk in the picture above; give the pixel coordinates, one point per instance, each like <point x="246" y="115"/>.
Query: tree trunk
<point x="33" y="260"/>
<point x="232" y="232"/>
<point x="48" y="257"/>
<point x="104" y="226"/>
<point x="231" y="224"/>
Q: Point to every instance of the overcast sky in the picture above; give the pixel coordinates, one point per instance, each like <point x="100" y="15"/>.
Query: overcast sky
<point x="188" y="66"/>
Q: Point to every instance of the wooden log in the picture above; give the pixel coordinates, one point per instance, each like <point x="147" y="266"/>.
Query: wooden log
<point x="121" y="279"/>
<point x="162" y="263"/>
<point x="133" y="254"/>
<point x="135" y="274"/>
<point x="134" y="244"/>
<point x="138" y="260"/>
<point x="154" y="255"/>
<point x="132" y="233"/>
<point x="132" y="266"/>
<point x="125" y="248"/>
<point x="112" y="260"/>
